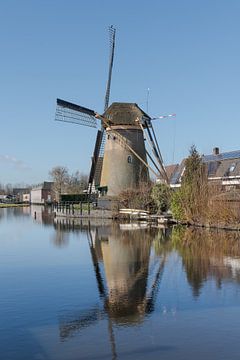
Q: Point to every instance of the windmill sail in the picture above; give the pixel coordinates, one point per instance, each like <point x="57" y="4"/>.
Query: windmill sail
<point x="112" y="32"/>
<point x="69" y="112"/>
<point x="96" y="167"/>
<point x="95" y="159"/>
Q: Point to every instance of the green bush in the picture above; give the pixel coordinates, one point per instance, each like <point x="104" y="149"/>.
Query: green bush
<point x="190" y="202"/>
<point x="161" y="195"/>
<point x="177" y="206"/>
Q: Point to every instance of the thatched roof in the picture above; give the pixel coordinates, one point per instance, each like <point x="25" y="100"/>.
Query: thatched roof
<point x="124" y="113"/>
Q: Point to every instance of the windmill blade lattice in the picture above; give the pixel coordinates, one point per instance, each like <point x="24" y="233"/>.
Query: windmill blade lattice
<point x="96" y="167"/>
<point x="112" y="32"/>
<point x="76" y="114"/>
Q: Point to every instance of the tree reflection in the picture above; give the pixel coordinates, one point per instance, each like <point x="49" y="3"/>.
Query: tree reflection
<point x="208" y="254"/>
<point x="2" y="214"/>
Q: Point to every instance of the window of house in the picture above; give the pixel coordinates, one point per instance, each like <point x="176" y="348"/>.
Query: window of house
<point x="232" y="167"/>
<point x="212" y="167"/>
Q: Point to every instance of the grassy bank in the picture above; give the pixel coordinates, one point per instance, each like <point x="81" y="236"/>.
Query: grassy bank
<point x="12" y="205"/>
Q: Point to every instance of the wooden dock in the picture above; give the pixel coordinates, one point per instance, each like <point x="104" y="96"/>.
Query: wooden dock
<point x="89" y="211"/>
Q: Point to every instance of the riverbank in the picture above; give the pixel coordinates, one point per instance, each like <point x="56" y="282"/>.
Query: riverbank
<point x="217" y="226"/>
<point x="93" y="214"/>
<point x="87" y="211"/>
<point x="12" y="205"/>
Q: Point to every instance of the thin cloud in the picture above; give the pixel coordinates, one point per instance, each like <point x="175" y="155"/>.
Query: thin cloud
<point x="17" y="164"/>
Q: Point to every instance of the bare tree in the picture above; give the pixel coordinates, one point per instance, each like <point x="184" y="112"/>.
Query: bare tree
<point x="2" y="191"/>
<point x="65" y="183"/>
<point x="60" y="177"/>
<point x="8" y="188"/>
<point x="77" y="183"/>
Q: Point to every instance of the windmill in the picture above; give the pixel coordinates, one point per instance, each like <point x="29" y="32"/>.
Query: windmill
<point x="119" y="159"/>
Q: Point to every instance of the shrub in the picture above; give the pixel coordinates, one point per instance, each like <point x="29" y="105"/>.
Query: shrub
<point x="190" y="202"/>
<point x="161" y="196"/>
<point x="137" y="198"/>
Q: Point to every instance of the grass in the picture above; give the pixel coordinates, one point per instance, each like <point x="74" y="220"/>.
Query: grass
<point x="2" y="205"/>
<point x="84" y="207"/>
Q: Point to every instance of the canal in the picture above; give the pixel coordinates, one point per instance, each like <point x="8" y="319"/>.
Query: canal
<point x="105" y="290"/>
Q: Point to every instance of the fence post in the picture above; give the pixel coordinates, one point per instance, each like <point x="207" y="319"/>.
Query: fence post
<point x="81" y="207"/>
<point x="88" y="208"/>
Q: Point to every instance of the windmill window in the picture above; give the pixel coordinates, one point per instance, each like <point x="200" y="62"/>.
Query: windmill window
<point x="129" y="159"/>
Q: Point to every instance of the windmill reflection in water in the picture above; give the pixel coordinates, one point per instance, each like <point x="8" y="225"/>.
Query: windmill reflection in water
<point x="128" y="285"/>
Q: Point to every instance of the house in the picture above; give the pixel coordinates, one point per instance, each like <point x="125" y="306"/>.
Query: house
<point x="3" y="198"/>
<point x="223" y="169"/>
<point x="7" y="198"/>
<point x="42" y="194"/>
<point x="170" y="171"/>
<point x="21" y="194"/>
<point x="26" y="197"/>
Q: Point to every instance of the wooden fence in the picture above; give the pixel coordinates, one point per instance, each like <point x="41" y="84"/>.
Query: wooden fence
<point x="72" y="208"/>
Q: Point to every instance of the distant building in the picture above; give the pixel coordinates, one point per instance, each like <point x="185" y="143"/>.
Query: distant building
<point x="223" y="169"/>
<point x="7" y="198"/>
<point x="3" y="198"/>
<point x="170" y="170"/>
<point x="21" y="193"/>
<point x="42" y="194"/>
<point x="26" y="197"/>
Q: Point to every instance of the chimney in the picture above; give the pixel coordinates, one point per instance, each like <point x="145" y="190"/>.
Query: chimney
<point x="216" y="151"/>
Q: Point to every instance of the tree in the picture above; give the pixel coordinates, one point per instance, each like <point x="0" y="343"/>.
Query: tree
<point x="60" y="176"/>
<point x="190" y="202"/>
<point x="2" y="191"/>
<point x="137" y="198"/>
<point x="8" y="189"/>
<point x="161" y="195"/>
<point x="77" y="182"/>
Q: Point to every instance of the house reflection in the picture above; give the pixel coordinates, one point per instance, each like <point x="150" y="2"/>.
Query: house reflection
<point x="42" y="214"/>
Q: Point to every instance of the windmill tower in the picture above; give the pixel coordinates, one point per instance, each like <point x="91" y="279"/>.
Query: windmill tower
<point x="122" y="162"/>
<point x="121" y="168"/>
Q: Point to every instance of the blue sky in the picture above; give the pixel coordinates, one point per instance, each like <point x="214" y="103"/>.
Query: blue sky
<point x="187" y="52"/>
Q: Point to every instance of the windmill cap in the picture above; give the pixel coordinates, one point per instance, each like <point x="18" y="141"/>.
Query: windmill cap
<point x="120" y="113"/>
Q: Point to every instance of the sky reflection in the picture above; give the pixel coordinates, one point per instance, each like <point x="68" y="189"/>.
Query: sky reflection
<point x="129" y="289"/>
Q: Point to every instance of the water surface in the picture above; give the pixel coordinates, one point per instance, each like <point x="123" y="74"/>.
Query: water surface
<point x="87" y="290"/>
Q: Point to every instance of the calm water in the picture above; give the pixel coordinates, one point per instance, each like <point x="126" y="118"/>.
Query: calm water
<point x="116" y="291"/>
